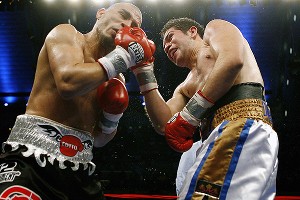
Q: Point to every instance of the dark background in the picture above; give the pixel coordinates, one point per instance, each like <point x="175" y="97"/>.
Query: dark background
<point x="138" y="160"/>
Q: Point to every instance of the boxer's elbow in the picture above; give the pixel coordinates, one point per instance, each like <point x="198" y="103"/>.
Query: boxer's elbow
<point x="67" y="90"/>
<point x="232" y="64"/>
<point x="235" y="67"/>
<point x="65" y="87"/>
<point x="235" y="60"/>
<point x="238" y="63"/>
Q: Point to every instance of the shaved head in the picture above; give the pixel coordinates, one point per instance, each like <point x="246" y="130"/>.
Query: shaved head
<point x="134" y="10"/>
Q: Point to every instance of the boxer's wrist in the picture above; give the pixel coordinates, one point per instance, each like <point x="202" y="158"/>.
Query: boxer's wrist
<point x="187" y="116"/>
<point x="109" y="122"/>
<point x="145" y="78"/>
<point x="198" y="105"/>
<point x="207" y="102"/>
<point x="116" y="62"/>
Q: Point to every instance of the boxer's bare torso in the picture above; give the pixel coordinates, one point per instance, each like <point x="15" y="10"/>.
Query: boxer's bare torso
<point x="45" y="100"/>
<point x="204" y="63"/>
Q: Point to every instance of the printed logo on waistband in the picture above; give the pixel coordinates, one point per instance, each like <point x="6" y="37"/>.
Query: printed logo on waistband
<point x="18" y="192"/>
<point x="69" y="145"/>
<point x="7" y="172"/>
<point x="209" y="189"/>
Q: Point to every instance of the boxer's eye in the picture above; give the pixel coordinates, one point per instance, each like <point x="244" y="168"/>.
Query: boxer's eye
<point x="167" y="39"/>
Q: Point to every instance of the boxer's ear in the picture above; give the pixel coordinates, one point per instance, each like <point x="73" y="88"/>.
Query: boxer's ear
<point x="193" y="31"/>
<point x="100" y="12"/>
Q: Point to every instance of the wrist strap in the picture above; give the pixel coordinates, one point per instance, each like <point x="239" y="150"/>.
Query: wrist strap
<point x="117" y="61"/>
<point x="198" y="105"/>
<point x="146" y="78"/>
<point x="109" y="122"/>
<point x="206" y="98"/>
<point x="185" y="114"/>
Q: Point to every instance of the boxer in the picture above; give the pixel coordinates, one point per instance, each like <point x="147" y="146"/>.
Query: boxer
<point x="75" y="105"/>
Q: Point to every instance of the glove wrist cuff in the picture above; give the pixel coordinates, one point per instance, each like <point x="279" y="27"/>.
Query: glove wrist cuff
<point x="112" y="117"/>
<point x="185" y="114"/>
<point x="145" y="78"/>
<point x="109" y="122"/>
<point x="198" y="105"/>
<point x="115" y="62"/>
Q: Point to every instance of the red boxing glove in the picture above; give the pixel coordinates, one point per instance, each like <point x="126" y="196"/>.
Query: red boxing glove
<point x="181" y="127"/>
<point x="135" y="41"/>
<point x="179" y="133"/>
<point x="141" y="50"/>
<point x="133" y="49"/>
<point x="113" y="100"/>
<point x="113" y="96"/>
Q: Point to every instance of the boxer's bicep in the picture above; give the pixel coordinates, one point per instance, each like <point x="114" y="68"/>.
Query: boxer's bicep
<point x="63" y="56"/>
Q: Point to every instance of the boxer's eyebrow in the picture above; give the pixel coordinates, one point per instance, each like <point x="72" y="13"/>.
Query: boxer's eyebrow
<point x="127" y="15"/>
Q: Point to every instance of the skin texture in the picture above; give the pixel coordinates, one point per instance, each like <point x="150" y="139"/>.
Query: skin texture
<point x="68" y="74"/>
<point x="219" y="60"/>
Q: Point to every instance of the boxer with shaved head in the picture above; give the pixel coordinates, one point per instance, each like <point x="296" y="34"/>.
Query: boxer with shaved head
<point x="76" y="103"/>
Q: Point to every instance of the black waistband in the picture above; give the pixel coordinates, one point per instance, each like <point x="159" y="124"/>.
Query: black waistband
<point x="249" y="90"/>
<point x="241" y="91"/>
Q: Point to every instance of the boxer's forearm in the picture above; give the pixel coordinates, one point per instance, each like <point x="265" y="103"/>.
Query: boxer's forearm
<point x="81" y="79"/>
<point x="101" y="139"/>
<point x="158" y="110"/>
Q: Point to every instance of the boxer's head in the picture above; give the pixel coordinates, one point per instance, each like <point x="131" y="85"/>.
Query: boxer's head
<point x="179" y="36"/>
<point x="112" y="19"/>
<point x="183" y="24"/>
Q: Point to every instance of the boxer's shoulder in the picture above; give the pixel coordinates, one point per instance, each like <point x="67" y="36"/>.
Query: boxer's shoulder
<point x="64" y="32"/>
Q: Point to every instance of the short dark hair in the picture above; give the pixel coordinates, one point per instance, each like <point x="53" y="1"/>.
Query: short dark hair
<point x="183" y="24"/>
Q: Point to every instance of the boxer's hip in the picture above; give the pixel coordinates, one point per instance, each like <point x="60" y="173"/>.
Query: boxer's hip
<point x="58" y="142"/>
<point x="256" y="109"/>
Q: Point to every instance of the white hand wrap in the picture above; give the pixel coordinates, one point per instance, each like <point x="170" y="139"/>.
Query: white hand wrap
<point x="117" y="61"/>
<point x="109" y="122"/>
<point x="145" y="78"/>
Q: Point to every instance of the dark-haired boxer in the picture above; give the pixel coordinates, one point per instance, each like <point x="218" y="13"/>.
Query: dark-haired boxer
<point x="75" y="103"/>
<point x="238" y="160"/>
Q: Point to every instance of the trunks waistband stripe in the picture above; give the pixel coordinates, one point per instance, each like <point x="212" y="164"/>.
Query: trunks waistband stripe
<point x="58" y="142"/>
<point x="256" y="109"/>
